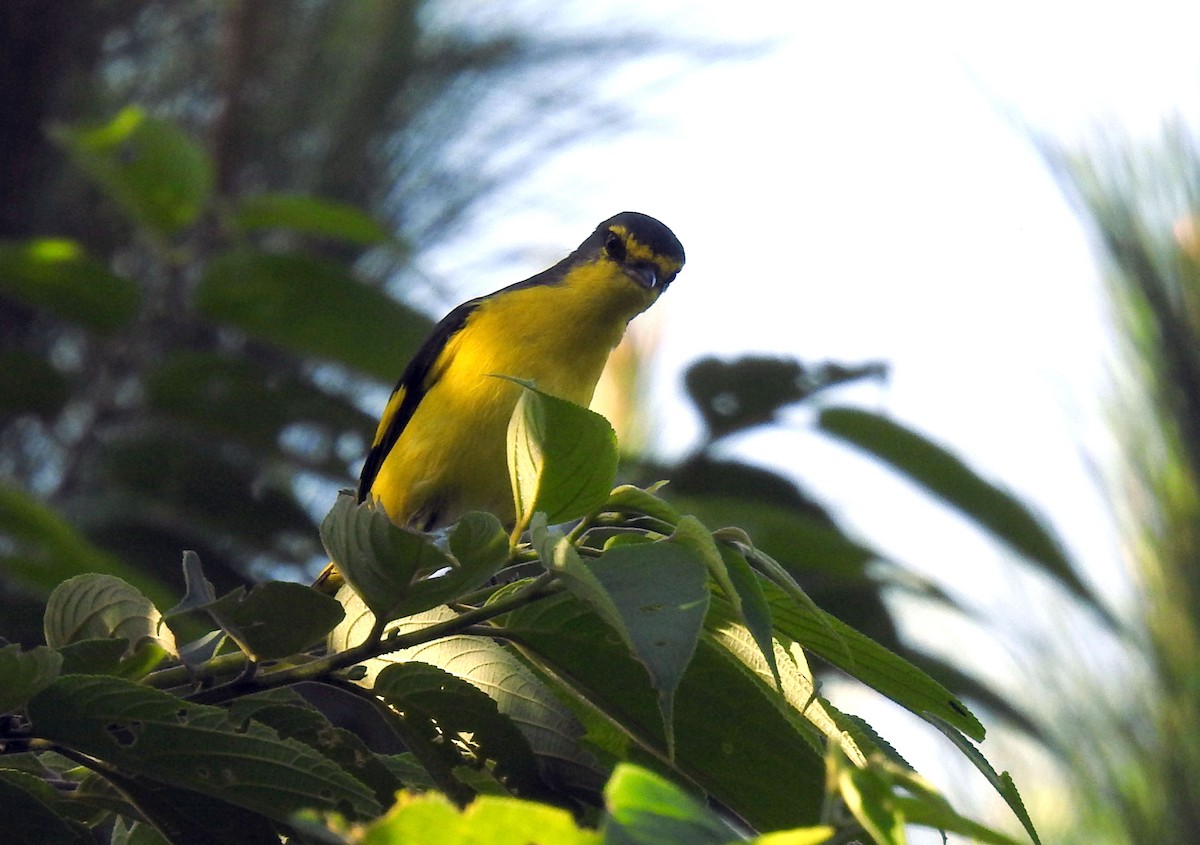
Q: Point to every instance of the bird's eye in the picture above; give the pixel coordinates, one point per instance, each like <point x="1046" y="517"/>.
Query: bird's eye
<point x="615" y="247"/>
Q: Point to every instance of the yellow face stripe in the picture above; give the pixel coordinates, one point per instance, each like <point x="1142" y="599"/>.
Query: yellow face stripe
<point x="638" y="251"/>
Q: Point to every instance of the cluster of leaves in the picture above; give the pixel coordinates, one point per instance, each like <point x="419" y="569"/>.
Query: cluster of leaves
<point x="631" y="646"/>
<point x="201" y="404"/>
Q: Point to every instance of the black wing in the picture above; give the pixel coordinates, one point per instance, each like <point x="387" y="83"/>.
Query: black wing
<point x="415" y="383"/>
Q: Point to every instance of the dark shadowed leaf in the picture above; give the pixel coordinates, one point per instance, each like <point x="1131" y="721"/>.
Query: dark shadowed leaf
<point x="23" y="673"/>
<point x="399" y="572"/>
<point x="275" y="619"/>
<point x="344" y="748"/>
<point x="733" y="738"/>
<point x="148" y="733"/>
<point x="30" y="817"/>
<point x="312" y="307"/>
<point x="655" y="595"/>
<point x="465" y="720"/>
<point x="749" y="391"/>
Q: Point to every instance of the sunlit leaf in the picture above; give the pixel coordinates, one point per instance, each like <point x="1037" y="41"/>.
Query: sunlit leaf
<point x="643" y="809"/>
<point x="157" y="174"/>
<point x="90" y="607"/>
<point x="431" y="819"/>
<point x="634" y="501"/>
<point x="874" y="665"/>
<point x="562" y="458"/>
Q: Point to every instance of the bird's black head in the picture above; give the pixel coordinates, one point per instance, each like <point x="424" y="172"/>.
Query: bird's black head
<point x="646" y="249"/>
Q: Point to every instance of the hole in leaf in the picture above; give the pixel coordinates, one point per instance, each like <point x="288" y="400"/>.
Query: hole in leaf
<point x="125" y="733"/>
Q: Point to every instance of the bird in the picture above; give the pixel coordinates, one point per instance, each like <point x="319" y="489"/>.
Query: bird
<point x="439" y="449"/>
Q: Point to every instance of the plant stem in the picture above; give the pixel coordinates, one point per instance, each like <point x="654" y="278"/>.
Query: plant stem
<point x="376" y="644"/>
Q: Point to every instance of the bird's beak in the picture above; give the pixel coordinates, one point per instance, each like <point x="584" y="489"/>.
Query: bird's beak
<point x="645" y="275"/>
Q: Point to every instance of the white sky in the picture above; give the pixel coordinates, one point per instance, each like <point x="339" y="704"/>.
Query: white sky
<point x="858" y="192"/>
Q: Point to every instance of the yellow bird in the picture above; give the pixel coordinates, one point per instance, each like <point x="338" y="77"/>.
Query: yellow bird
<point x="439" y="450"/>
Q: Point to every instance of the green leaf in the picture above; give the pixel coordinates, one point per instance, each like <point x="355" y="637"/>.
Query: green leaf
<point x="276" y="619"/>
<point x="29" y="817"/>
<point x="634" y="501"/>
<point x="549" y="726"/>
<point x="733" y="739"/>
<point x="654" y="595"/>
<point x="58" y="275"/>
<point x="89" y="607"/>
<point x="948" y="478"/>
<point x="24" y="673"/>
<point x="432" y="820"/>
<point x="1002" y="783"/>
<point x="399" y="572"/>
<point x="310" y="216"/>
<point x="152" y="169"/>
<point x="187" y="817"/>
<point x="50" y="550"/>
<point x="304" y="723"/>
<point x="797" y="836"/>
<point x="799" y="702"/>
<point x="562" y="458"/>
<point x="863" y="658"/>
<point x="867" y="792"/>
<point x="148" y="733"/>
<point x="751" y="605"/>
<point x="464" y="721"/>
<point x="311" y="307"/>
<point x="111" y="657"/>
<point x="136" y="833"/>
<point x="645" y="809"/>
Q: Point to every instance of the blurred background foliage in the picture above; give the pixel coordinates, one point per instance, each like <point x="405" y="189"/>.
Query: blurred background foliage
<point x="1130" y="740"/>
<point x="211" y="219"/>
<point x="209" y="243"/>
